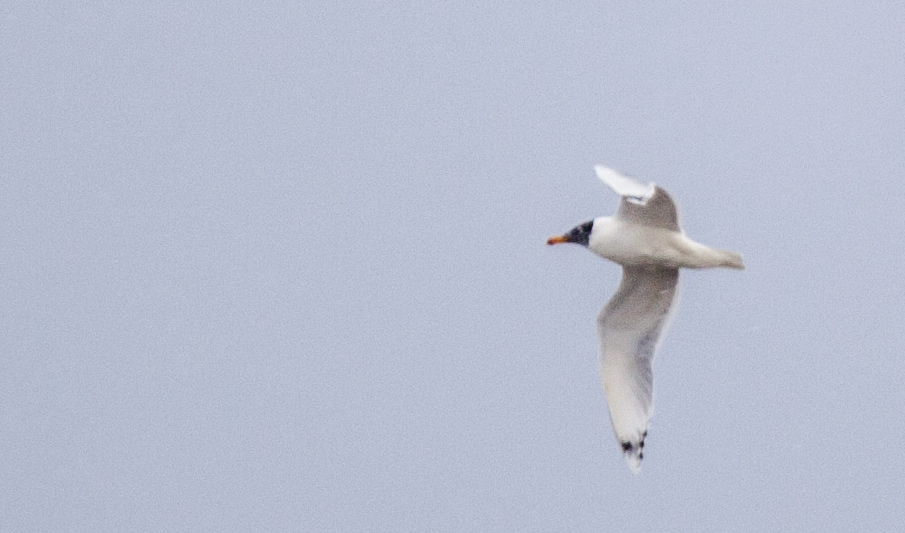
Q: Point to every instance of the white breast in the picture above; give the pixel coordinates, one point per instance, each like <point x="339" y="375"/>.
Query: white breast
<point x="631" y="244"/>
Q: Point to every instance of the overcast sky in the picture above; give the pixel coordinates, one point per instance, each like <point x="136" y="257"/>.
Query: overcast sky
<point x="281" y="266"/>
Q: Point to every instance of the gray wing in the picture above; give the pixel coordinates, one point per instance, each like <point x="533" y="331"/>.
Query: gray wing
<point x="641" y="203"/>
<point x="629" y="328"/>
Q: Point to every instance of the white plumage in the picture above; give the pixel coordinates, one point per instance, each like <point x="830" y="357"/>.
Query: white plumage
<point x="644" y="236"/>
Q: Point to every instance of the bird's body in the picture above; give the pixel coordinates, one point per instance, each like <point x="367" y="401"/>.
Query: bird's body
<point x="646" y="239"/>
<point x="633" y="244"/>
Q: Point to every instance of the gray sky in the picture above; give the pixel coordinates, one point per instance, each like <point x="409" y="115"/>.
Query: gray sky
<point x="281" y="267"/>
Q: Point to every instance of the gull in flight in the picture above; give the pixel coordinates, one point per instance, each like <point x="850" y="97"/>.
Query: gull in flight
<point x="645" y="238"/>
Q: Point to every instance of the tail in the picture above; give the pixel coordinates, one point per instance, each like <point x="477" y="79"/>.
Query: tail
<point x="731" y="260"/>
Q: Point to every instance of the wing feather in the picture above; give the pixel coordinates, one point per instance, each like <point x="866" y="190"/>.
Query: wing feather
<point x="642" y="203"/>
<point x="629" y="328"/>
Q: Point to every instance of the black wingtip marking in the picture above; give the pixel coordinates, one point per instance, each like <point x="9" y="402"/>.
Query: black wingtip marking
<point x="629" y="447"/>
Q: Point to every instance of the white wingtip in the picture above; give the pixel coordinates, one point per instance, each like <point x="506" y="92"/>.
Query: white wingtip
<point x="624" y="185"/>
<point x="634" y="462"/>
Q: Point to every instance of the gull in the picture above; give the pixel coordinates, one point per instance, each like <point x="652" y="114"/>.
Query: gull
<point x="645" y="238"/>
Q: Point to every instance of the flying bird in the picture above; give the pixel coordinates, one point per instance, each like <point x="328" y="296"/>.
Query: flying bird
<point x="644" y="237"/>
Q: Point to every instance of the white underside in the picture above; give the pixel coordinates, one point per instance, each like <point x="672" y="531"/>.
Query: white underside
<point x="630" y="244"/>
<point x="632" y="324"/>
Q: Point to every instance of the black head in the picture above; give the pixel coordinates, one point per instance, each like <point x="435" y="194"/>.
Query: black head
<point x="580" y="234"/>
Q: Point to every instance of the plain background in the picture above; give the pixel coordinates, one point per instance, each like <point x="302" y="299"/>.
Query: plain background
<point x="281" y="266"/>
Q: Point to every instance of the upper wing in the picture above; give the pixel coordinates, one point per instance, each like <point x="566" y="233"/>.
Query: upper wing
<point x="629" y="328"/>
<point x="642" y="203"/>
